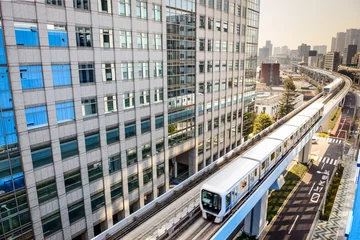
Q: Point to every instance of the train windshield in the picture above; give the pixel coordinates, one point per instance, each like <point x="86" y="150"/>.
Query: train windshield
<point x="211" y="201"/>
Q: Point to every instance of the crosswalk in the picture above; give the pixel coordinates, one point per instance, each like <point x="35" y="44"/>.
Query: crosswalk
<point x="328" y="160"/>
<point x="331" y="140"/>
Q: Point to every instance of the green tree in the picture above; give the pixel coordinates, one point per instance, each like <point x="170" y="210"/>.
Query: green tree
<point x="248" y="124"/>
<point x="261" y="122"/>
<point x="287" y="101"/>
<point x="171" y="128"/>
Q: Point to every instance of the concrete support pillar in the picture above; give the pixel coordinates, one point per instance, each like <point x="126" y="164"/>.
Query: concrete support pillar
<point x="193" y="161"/>
<point x="175" y="169"/>
<point x="305" y="152"/>
<point x="255" y="221"/>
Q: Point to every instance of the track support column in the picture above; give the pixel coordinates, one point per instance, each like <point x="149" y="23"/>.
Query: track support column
<point x="255" y="221"/>
<point x="305" y="152"/>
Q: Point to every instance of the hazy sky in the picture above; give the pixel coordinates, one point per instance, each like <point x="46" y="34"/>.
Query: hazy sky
<point x="315" y="22"/>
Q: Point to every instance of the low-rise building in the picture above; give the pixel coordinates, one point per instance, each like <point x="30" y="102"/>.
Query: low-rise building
<point x="270" y="73"/>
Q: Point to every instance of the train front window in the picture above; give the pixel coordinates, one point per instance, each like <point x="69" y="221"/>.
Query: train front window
<point x="211" y="201"/>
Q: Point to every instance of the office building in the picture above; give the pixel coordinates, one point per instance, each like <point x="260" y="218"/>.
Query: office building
<point x="320" y="61"/>
<point x="333" y="44"/>
<point x="340" y="42"/>
<point x="285" y="50"/>
<point x="352" y="37"/>
<point x="304" y="52"/>
<point x="332" y="61"/>
<point x="277" y="51"/>
<point x="263" y="55"/>
<point x="104" y="103"/>
<point x="270" y="73"/>
<point x="349" y="53"/>
<point x="312" y="59"/>
<point x="270" y="47"/>
<point x="321" y="49"/>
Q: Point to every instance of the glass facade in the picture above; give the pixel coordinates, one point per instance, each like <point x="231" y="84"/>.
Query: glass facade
<point x="181" y="50"/>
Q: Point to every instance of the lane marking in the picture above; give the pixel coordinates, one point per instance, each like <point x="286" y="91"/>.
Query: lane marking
<point x="311" y="188"/>
<point x="331" y="161"/>
<point x="320" y="159"/>
<point x="322" y="166"/>
<point x="327" y="160"/>
<point x="293" y="224"/>
<point x="335" y="162"/>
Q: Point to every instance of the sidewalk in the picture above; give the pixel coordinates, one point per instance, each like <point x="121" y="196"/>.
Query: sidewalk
<point x="335" y="227"/>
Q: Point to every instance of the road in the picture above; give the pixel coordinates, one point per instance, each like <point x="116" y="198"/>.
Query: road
<point x="297" y="216"/>
<point x="346" y="116"/>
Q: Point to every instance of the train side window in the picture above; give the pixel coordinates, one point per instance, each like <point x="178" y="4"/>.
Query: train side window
<point x="262" y="165"/>
<point x="272" y="157"/>
<point x="286" y="143"/>
<point x="243" y="184"/>
<point x="256" y="172"/>
<point x="228" y="199"/>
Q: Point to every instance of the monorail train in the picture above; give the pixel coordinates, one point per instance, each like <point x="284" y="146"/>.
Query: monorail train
<point x="227" y="187"/>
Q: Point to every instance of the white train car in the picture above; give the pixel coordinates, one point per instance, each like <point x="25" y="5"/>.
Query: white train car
<point x="335" y="84"/>
<point x="227" y="187"/>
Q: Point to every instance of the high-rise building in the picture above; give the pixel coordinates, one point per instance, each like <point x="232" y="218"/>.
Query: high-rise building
<point x="263" y="54"/>
<point x="320" y="61"/>
<point x="355" y="59"/>
<point x="321" y="49"/>
<point x="285" y="50"/>
<point x="352" y="37"/>
<point x="312" y="59"/>
<point x="340" y="42"/>
<point x="349" y="53"/>
<point x="304" y="51"/>
<point x="104" y="103"/>
<point x="270" y="47"/>
<point x="332" y="61"/>
<point x="277" y="51"/>
<point x="333" y="44"/>
<point x="270" y="73"/>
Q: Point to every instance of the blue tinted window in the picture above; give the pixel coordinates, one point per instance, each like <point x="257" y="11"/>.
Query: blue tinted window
<point x="36" y="117"/>
<point x="57" y="38"/>
<point x="61" y="75"/>
<point x="26" y="34"/>
<point x="65" y="112"/>
<point x="8" y="134"/>
<point x="31" y="77"/>
<point x="11" y="175"/>
<point x="130" y="130"/>
<point x="5" y="93"/>
<point x="2" y="48"/>
<point x="41" y="157"/>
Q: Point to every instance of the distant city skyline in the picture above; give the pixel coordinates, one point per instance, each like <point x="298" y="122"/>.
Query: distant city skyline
<point x="291" y="23"/>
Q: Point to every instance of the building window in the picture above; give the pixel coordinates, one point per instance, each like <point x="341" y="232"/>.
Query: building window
<point x="160" y="169"/>
<point x="144" y="97"/>
<point x="238" y="10"/>
<point x="46" y="190"/>
<point x="112" y="135"/>
<point x="57" y="35"/>
<point x="210" y="23"/>
<point x="217" y="66"/>
<point x="158" y="96"/>
<point x="26" y="34"/>
<point x="159" y="145"/>
<point x="147" y="175"/>
<point x="36" y="117"/>
<point x="210" y="45"/>
<point x="130" y="130"/>
<point x="110" y="104"/>
<point x="218" y="4"/>
<point x="223" y="65"/>
<point x="209" y="66"/>
<point x="76" y="211"/>
<point x="68" y="148"/>
<point x="51" y="224"/>
<point x="106" y="38"/>
<point x="142" y="40"/>
<point x="129" y="100"/>
<point x="125" y="39"/>
<point x="217" y="46"/>
<point x="108" y="72"/>
<point x="232" y="8"/>
<point x="211" y="4"/>
<point x="236" y="65"/>
<point x="243" y="29"/>
<point x="145" y="125"/>
<point x="231" y="47"/>
<point x="201" y="66"/>
<point x="200" y="148"/>
<point x="95" y="171"/>
<point x="159" y="121"/>
<point x="72" y="180"/>
<point x="41" y="156"/>
<point x="86" y="73"/>
<point x="116" y="191"/>
<point x="224" y="46"/>
<point x="218" y="26"/>
<point x="243" y="47"/>
<point x="133" y="182"/>
<point x="141" y="9"/>
<point x="156" y="13"/>
<point x="114" y="163"/>
<point x="200" y="128"/>
<point x="97" y="201"/>
<point x="127" y="71"/>
<point x="225" y="26"/>
<point x="65" y="112"/>
<point x="202" y="44"/>
<point x="146" y="151"/>
<point x="83" y="4"/>
<point x="55" y="2"/>
<point x="143" y="69"/>
<point x="31" y="77"/>
<point x="104" y="6"/>
<point x="92" y="141"/>
<point x="61" y="75"/>
<point x="238" y="29"/>
<point x="226" y="6"/>
<point x="202" y="21"/>
<point x="237" y="47"/>
<point x="157" y="41"/>
<point x="158" y="70"/>
<point x="89" y="107"/>
<point x="124" y="6"/>
<point x="83" y="37"/>
<point x="131" y="156"/>
<point x="203" y="3"/>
